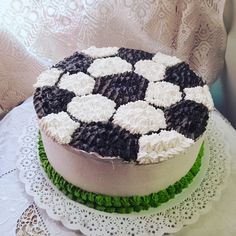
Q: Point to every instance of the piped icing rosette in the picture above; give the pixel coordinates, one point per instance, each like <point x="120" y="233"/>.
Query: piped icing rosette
<point x="59" y="126"/>
<point x="91" y="108"/>
<point x="139" y="117"/>
<point x="161" y="146"/>
<point x="123" y="103"/>
<point x="163" y="94"/>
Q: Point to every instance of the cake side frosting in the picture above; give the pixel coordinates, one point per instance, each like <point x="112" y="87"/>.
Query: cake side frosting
<point x="133" y="94"/>
<point x="115" y="177"/>
<point x="118" y="204"/>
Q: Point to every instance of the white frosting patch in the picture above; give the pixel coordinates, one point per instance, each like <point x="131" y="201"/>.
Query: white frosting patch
<point x="101" y="52"/>
<point x="159" y="147"/>
<point x="109" y="66"/>
<point x="80" y="83"/>
<point x="166" y="60"/>
<point x="201" y="95"/>
<point x="93" y="107"/>
<point x="163" y="94"/>
<point x="150" y="70"/>
<point x="59" y="127"/>
<point x="139" y="117"/>
<point x="48" y="78"/>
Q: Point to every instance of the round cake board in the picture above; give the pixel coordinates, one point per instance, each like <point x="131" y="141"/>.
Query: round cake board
<point x="170" y="217"/>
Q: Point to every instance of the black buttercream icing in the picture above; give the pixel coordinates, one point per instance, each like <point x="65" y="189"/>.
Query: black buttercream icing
<point x="183" y="76"/>
<point x="51" y="100"/>
<point x="188" y="118"/>
<point x="122" y="88"/>
<point x="107" y="139"/>
<point x="78" y="62"/>
<point x="133" y="55"/>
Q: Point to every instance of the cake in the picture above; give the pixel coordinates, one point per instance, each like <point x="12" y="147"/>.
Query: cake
<point x="121" y="130"/>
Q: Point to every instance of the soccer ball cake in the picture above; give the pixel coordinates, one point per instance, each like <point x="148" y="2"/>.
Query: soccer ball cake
<point x="121" y="129"/>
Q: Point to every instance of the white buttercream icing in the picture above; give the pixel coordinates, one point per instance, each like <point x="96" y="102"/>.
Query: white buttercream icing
<point x="93" y="107"/>
<point x="80" y="83"/>
<point x="159" y="147"/>
<point x="166" y="60"/>
<point x="59" y="126"/>
<point x="109" y="66"/>
<point x="48" y="78"/>
<point x="163" y="93"/>
<point x="139" y="117"/>
<point x="101" y="52"/>
<point x="201" y="95"/>
<point x="150" y="70"/>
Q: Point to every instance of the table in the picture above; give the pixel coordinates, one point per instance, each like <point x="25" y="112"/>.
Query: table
<point x="19" y="215"/>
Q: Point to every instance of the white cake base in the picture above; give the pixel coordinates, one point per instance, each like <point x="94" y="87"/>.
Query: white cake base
<point x="114" y="177"/>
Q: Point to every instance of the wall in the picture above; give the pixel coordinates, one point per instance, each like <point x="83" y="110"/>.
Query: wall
<point x="229" y="76"/>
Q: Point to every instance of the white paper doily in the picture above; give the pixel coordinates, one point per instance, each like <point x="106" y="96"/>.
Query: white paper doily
<point x="170" y="217"/>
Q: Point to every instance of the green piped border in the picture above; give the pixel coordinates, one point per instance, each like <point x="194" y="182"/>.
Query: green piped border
<point x="117" y="204"/>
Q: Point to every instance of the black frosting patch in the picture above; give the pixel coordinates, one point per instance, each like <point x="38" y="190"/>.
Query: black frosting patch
<point x="106" y="139"/>
<point x="51" y="100"/>
<point x="78" y="62"/>
<point x="132" y="55"/>
<point x="183" y="76"/>
<point x="188" y="118"/>
<point x="122" y="88"/>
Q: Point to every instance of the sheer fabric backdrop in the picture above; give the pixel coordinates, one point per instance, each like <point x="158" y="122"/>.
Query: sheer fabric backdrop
<point x="36" y="33"/>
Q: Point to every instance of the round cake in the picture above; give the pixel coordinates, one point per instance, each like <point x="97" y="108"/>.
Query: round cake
<point x="121" y="129"/>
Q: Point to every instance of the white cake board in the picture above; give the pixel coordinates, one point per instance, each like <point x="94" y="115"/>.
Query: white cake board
<point x="170" y="217"/>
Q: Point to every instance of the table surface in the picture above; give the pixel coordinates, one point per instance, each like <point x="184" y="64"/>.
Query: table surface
<point x="15" y="205"/>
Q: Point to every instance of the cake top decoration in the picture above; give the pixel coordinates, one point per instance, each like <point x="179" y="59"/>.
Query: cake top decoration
<point x="123" y="103"/>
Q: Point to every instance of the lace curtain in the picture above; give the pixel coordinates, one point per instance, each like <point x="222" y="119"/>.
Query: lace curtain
<point x="36" y="33"/>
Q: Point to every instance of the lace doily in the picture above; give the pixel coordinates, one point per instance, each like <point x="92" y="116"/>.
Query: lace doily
<point x="170" y="217"/>
<point x="36" y="226"/>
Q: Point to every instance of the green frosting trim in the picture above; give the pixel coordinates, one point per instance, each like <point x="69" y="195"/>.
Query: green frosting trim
<point x="117" y="204"/>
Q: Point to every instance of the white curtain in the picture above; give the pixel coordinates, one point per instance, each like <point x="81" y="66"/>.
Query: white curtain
<point x="36" y="33"/>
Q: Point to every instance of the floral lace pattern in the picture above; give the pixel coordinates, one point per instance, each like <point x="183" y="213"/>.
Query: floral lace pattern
<point x="191" y="29"/>
<point x="170" y="217"/>
<point x="30" y="223"/>
<point x="40" y="32"/>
